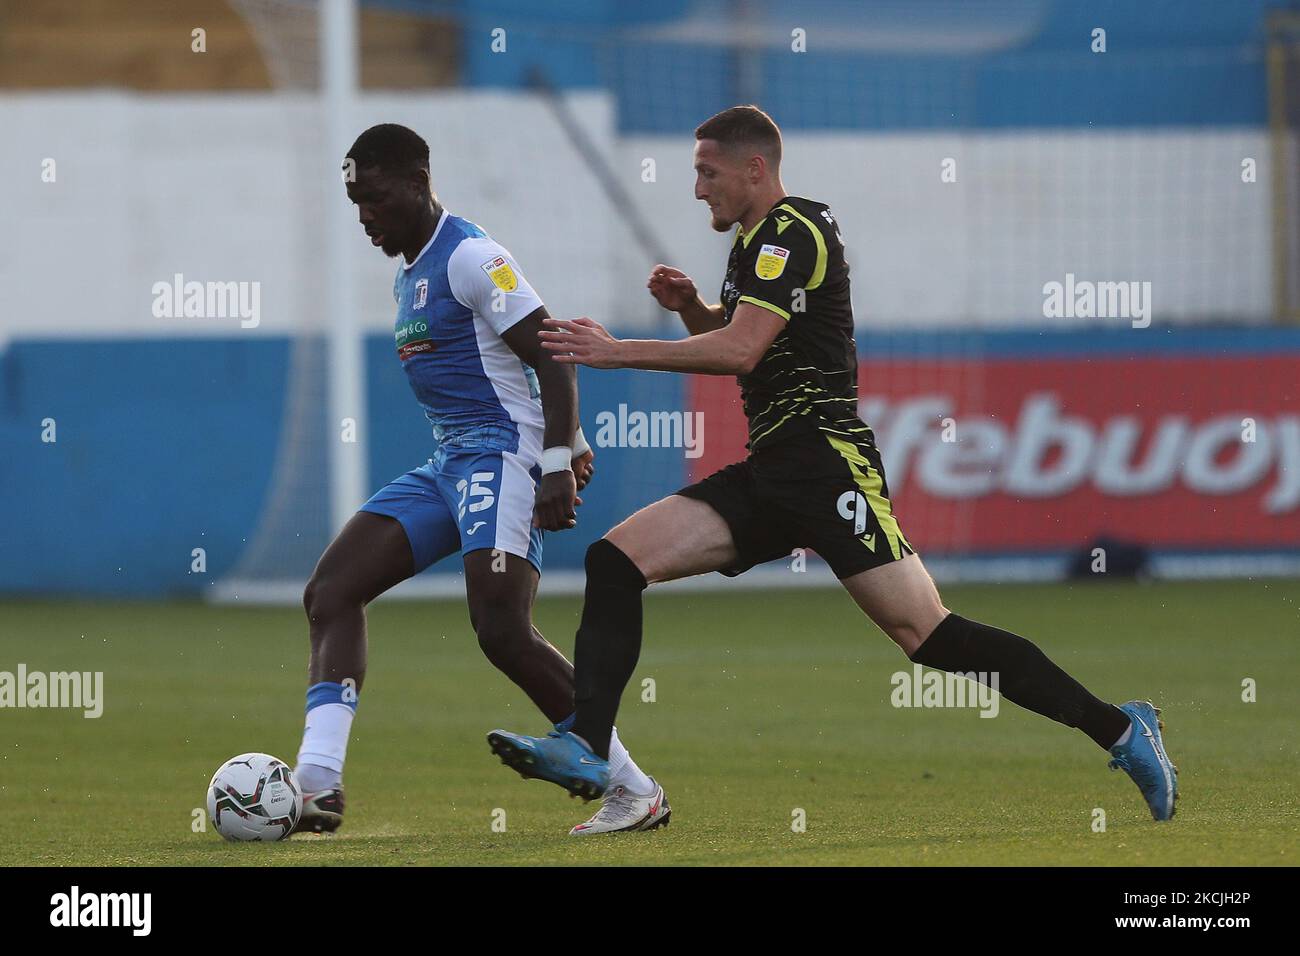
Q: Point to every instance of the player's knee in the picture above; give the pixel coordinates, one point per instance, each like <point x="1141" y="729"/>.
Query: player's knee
<point x="324" y="600"/>
<point x="607" y="564"/>
<point x="907" y="636"/>
<point x="503" y="637"/>
<point x="310" y="595"/>
<point x="911" y="633"/>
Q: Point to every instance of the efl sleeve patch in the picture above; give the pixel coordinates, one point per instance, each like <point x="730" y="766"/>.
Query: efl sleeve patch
<point x="502" y="276"/>
<point x="771" y="261"/>
<point x="484" y="278"/>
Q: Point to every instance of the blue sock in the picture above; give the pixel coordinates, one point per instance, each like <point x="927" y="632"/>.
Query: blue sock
<point x="328" y="692"/>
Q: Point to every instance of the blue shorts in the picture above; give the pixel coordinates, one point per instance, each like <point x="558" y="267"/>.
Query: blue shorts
<point x="466" y="498"/>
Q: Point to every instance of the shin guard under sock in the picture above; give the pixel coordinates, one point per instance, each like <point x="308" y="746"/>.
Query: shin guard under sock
<point x="608" y="643"/>
<point x="1026" y="676"/>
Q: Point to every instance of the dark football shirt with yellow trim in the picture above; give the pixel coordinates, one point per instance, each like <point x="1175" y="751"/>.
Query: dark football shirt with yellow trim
<point x="792" y="264"/>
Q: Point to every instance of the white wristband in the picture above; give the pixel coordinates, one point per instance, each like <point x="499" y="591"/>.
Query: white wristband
<point x="580" y="446"/>
<point x="558" y="458"/>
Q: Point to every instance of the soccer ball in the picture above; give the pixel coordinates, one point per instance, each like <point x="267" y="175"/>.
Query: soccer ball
<point x="254" y="797"/>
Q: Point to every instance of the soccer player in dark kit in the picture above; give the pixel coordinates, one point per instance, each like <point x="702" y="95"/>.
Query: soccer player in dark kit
<point x="813" y="478"/>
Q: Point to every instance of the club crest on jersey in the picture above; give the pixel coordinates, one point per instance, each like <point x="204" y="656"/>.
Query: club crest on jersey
<point x="771" y="261"/>
<point x="502" y="276"/>
<point x="421" y="294"/>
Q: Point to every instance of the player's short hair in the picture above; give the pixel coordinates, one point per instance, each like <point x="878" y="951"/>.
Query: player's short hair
<point x="392" y="148"/>
<point x="744" y="127"/>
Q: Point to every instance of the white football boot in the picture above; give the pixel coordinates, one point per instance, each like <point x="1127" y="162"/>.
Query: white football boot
<point x="322" y="811"/>
<point x="622" y="811"/>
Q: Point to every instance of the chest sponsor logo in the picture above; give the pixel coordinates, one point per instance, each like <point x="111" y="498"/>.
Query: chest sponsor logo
<point x="502" y="276"/>
<point x="421" y="294"/>
<point x="412" y="338"/>
<point x="771" y="261"/>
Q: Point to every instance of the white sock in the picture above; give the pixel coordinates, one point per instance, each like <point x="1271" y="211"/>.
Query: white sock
<point x="324" y="742"/>
<point x="312" y="778"/>
<point x="623" y="771"/>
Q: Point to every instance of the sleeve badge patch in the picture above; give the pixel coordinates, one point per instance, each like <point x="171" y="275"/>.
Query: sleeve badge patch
<point x="502" y="276"/>
<point x="771" y="261"/>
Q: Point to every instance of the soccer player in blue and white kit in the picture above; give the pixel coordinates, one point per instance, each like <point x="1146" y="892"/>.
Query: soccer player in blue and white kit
<point x="505" y="469"/>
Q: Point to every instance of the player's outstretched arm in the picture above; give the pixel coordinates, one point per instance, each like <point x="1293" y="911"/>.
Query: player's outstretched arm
<point x="732" y="350"/>
<point x="557" y="495"/>
<point x="675" y="291"/>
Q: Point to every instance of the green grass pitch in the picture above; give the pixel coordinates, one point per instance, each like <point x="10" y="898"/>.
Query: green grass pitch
<point x="766" y="702"/>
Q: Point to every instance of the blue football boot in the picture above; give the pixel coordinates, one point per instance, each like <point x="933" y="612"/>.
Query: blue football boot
<point x="1144" y="759"/>
<point x="561" y="758"/>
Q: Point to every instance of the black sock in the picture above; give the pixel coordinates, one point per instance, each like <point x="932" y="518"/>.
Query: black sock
<point x="609" y="642"/>
<point x="1026" y="676"/>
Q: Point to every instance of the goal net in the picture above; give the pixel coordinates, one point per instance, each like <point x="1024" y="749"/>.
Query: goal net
<point x="312" y="479"/>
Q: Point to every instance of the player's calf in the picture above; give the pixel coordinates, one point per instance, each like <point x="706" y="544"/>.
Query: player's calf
<point x="1026" y="675"/>
<point x="336" y="620"/>
<point x="500" y="610"/>
<point x="608" y="642"/>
